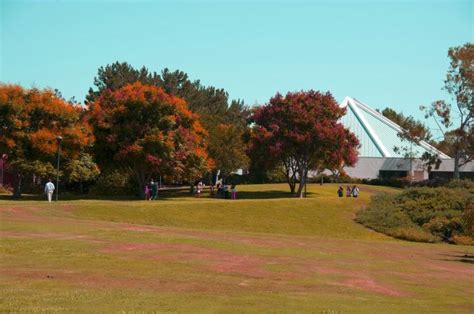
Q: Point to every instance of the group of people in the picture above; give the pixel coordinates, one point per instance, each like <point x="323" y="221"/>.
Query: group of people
<point x="226" y="191"/>
<point x="151" y="190"/>
<point x="220" y="190"/>
<point x="223" y="190"/>
<point x="350" y="191"/>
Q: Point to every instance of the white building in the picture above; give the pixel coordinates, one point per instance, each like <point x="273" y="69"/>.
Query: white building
<point x="378" y="137"/>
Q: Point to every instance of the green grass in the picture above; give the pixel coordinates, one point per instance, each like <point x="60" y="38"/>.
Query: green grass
<point x="265" y="252"/>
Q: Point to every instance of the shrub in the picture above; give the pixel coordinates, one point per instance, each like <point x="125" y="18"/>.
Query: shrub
<point x="382" y="214"/>
<point x="460" y="239"/>
<point x="443" y="227"/>
<point x="113" y="183"/>
<point x="467" y="220"/>
<point x="5" y="189"/>
<point x="423" y="214"/>
<point x="423" y="204"/>
<point x="413" y="234"/>
<point x="461" y="184"/>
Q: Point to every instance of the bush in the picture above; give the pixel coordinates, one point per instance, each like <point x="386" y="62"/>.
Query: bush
<point x="382" y="214"/>
<point x="113" y="183"/>
<point x="5" y="190"/>
<point x="396" y="183"/>
<point x="461" y="184"/>
<point x="423" y="204"/>
<point x="443" y="227"/>
<point x="467" y="220"/>
<point x="413" y="234"/>
<point x="423" y="214"/>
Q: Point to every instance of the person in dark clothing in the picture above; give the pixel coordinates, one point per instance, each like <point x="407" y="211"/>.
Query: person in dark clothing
<point x="340" y="191"/>
<point x="348" y="191"/>
<point x="154" y="190"/>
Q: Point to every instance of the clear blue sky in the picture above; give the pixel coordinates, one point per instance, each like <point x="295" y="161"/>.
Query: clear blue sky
<point x="385" y="53"/>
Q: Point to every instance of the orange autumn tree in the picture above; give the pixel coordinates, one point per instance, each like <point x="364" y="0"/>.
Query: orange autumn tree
<point x="30" y="122"/>
<point x="143" y="130"/>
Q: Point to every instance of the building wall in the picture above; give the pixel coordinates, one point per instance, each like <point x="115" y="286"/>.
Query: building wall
<point x="370" y="167"/>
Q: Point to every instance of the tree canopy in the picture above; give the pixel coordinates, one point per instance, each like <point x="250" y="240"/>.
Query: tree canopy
<point x="143" y="129"/>
<point x="417" y="128"/>
<point x="456" y="121"/>
<point x="30" y="122"/>
<point x="212" y="105"/>
<point x="301" y="132"/>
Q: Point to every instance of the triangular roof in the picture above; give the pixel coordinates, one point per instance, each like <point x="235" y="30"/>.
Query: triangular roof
<point x="377" y="134"/>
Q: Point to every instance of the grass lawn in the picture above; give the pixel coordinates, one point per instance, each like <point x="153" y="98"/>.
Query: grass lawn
<point x="264" y="252"/>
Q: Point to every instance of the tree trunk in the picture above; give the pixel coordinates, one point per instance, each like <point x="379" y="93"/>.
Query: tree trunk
<point x="292" y="185"/>
<point x="290" y="174"/>
<point x="456" y="165"/>
<point x="16" y="184"/>
<point x="303" y="179"/>
<point x="141" y="180"/>
<point x="291" y="179"/>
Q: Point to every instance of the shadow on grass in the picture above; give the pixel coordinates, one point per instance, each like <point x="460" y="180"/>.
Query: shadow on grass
<point x="267" y="194"/>
<point x="461" y="257"/>
<point x="172" y="194"/>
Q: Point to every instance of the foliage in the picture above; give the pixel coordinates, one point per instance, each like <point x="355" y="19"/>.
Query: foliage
<point x="147" y="131"/>
<point x="117" y="75"/>
<point x="31" y="120"/>
<point x="443" y="227"/>
<point x="457" y="124"/>
<point x="468" y="220"/>
<point x="225" y="145"/>
<point x="412" y="133"/>
<point x="5" y="190"/>
<point x="82" y="170"/>
<point x="419" y="129"/>
<point x="301" y="132"/>
<point x="114" y="183"/>
<point x="212" y="105"/>
<point x="466" y="184"/>
<point x="423" y="204"/>
<point x="421" y="214"/>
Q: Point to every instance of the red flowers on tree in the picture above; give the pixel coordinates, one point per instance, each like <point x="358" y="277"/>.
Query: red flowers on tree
<point x="147" y="131"/>
<point x="300" y="132"/>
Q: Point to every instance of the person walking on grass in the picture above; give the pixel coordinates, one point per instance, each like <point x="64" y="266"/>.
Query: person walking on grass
<point x="154" y="190"/>
<point x="233" y="191"/>
<point x="348" y="191"/>
<point x="226" y="191"/>
<point x="200" y="187"/>
<point x="147" y="192"/>
<point x="49" y="190"/>
<point x="340" y="191"/>
<point x="355" y="191"/>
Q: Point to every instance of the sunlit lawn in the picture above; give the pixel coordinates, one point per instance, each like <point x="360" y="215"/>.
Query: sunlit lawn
<point x="266" y="251"/>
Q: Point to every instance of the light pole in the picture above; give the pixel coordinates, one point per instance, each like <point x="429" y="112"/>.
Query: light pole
<point x="58" y="139"/>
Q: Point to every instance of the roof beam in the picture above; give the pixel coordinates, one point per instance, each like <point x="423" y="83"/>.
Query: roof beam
<point x="368" y="128"/>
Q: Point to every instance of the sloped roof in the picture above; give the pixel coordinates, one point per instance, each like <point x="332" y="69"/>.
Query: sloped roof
<point x="377" y="134"/>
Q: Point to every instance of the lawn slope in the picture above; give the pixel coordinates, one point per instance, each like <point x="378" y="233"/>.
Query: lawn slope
<point x="265" y="252"/>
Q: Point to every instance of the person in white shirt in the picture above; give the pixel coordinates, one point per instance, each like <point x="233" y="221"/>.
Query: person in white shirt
<point x="355" y="191"/>
<point x="49" y="190"/>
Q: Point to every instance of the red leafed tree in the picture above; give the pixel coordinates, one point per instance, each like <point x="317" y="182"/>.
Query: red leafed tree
<point x="142" y="129"/>
<point x="30" y="122"/>
<point x="301" y="132"/>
